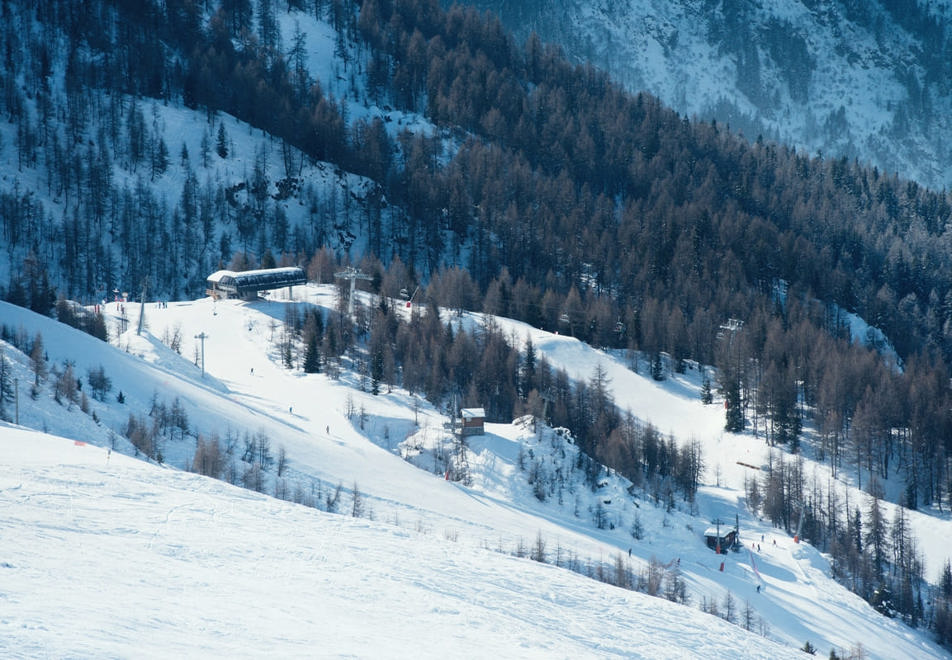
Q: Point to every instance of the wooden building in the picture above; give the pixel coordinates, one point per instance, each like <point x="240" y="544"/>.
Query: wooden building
<point x="720" y="539"/>
<point x="473" y="420"/>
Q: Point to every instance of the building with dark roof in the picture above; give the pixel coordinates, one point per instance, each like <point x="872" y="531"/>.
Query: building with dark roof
<point x="720" y="538"/>
<point x="248" y="283"/>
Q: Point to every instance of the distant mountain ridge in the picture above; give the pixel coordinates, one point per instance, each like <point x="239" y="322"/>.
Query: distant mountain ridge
<point x="865" y="80"/>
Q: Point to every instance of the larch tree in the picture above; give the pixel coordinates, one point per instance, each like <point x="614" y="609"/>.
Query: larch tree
<point x="38" y="362"/>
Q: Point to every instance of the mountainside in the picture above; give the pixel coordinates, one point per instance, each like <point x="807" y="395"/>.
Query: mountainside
<point x="807" y="301"/>
<point x="864" y="80"/>
<point x="416" y="555"/>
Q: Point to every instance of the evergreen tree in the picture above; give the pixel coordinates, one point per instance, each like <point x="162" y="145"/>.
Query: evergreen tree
<point x="312" y="355"/>
<point x="734" y="413"/>
<point x="657" y="366"/>
<point x="376" y="368"/>
<point x="707" y="396"/>
<point x="527" y="375"/>
<point x="159" y="160"/>
<point x="876" y="535"/>
<point x="221" y="141"/>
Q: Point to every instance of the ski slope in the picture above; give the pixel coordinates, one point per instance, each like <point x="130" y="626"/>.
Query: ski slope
<point x="107" y="556"/>
<point x="427" y="565"/>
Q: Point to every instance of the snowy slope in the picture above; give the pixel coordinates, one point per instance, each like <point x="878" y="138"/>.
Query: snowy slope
<point x="674" y="407"/>
<point x="305" y="414"/>
<point x="106" y="556"/>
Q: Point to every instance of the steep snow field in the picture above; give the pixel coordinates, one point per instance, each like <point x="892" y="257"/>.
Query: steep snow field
<point x="100" y="551"/>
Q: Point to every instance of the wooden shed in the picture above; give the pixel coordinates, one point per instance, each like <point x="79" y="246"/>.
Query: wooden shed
<point x="473" y="421"/>
<point x="720" y="539"/>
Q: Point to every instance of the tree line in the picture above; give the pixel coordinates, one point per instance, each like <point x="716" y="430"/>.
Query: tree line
<point x="874" y="556"/>
<point x="452" y="361"/>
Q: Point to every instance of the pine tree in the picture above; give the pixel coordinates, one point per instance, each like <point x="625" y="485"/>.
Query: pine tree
<point x="204" y="148"/>
<point x="159" y="160"/>
<point x="707" y="397"/>
<point x="657" y="366"/>
<point x="734" y="414"/>
<point x="527" y="380"/>
<point x="376" y="369"/>
<point x="221" y="142"/>
<point x="312" y="355"/>
<point x="876" y="535"/>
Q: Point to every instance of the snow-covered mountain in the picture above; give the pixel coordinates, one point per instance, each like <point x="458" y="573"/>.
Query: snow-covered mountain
<point x="185" y="188"/>
<point x="224" y="186"/>
<point x="866" y="80"/>
<point x="100" y="552"/>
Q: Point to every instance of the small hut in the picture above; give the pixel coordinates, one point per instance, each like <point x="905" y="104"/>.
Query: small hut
<point x="473" y="420"/>
<point x="720" y="538"/>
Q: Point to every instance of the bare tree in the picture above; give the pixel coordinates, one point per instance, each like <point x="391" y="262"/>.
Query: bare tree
<point x="357" y="508"/>
<point x="38" y="362"/>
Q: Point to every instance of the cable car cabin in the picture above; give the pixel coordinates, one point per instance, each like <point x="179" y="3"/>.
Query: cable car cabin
<point x="248" y="283"/>
<point x="723" y="539"/>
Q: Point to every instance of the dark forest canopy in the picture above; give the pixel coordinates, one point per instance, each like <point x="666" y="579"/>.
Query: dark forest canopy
<point x="565" y="202"/>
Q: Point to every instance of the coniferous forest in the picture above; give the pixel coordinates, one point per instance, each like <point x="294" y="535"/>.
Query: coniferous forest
<point x="545" y="193"/>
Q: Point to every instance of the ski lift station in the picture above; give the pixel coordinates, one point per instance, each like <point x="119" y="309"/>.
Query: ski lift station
<point x="247" y="284"/>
